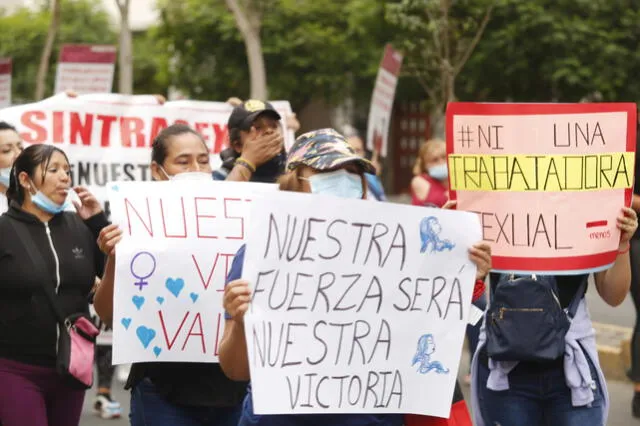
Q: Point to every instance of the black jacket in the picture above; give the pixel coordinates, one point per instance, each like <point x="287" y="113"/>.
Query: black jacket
<point x="68" y="249"/>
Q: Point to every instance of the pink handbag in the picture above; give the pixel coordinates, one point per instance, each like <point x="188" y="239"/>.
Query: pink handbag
<point x="76" y="350"/>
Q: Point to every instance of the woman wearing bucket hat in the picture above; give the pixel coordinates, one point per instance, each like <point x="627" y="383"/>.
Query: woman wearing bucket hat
<point x="319" y="162"/>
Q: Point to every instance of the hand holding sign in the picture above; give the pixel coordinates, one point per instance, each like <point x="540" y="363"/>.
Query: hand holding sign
<point x="627" y="224"/>
<point x="108" y="238"/>
<point x="480" y="254"/>
<point x="237" y="296"/>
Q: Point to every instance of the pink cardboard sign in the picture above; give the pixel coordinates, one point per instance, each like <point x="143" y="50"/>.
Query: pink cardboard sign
<point x="547" y="180"/>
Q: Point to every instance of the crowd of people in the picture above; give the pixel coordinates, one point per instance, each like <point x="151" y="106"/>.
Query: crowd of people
<point x="77" y="248"/>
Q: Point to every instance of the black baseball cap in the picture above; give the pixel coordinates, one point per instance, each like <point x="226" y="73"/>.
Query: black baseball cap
<point x="243" y="116"/>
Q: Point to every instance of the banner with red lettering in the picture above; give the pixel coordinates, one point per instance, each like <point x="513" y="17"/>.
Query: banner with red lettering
<point x="5" y="82"/>
<point x="382" y="101"/>
<point x="108" y="137"/>
<point x="179" y="241"/>
<point x="85" y="68"/>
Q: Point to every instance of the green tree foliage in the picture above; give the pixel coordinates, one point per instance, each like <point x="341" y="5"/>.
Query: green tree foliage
<point x="437" y="38"/>
<point x="312" y="48"/>
<point x="23" y="33"/>
<point x="561" y="50"/>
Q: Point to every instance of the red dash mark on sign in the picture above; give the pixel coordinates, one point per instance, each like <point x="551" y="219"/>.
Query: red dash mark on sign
<point x="597" y="224"/>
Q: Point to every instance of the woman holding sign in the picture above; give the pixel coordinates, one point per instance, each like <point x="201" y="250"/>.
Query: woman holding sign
<point x="537" y="362"/>
<point x="172" y="394"/>
<point x="320" y="162"/>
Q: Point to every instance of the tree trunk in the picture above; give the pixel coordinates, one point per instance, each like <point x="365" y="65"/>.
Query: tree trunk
<point x="43" y="69"/>
<point x="437" y="121"/>
<point x="248" y="22"/>
<point x="125" y="51"/>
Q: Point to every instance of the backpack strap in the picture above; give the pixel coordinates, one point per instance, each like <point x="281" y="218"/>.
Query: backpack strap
<point x="38" y="268"/>
<point x="577" y="298"/>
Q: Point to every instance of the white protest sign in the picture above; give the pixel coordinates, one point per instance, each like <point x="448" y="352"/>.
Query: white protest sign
<point x="108" y="136"/>
<point x="179" y="241"/>
<point x="384" y="92"/>
<point x="85" y="68"/>
<point x="5" y="82"/>
<point x="357" y="307"/>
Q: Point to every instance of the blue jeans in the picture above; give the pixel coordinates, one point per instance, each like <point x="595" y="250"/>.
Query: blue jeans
<point x="537" y="397"/>
<point x="149" y="408"/>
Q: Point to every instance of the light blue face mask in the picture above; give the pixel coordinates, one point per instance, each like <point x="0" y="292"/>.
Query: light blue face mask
<point x="439" y="172"/>
<point x="45" y="204"/>
<point x="340" y="183"/>
<point x="5" y="176"/>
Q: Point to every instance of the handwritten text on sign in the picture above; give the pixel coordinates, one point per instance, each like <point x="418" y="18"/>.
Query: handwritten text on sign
<point x="179" y="242"/>
<point x="547" y="181"/>
<point x="355" y="310"/>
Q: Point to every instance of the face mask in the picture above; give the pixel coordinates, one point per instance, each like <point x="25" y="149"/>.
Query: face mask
<point x="440" y="172"/>
<point x="188" y="175"/>
<point x="340" y="183"/>
<point x="45" y="204"/>
<point x="5" y="176"/>
<point x="204" y="176"/>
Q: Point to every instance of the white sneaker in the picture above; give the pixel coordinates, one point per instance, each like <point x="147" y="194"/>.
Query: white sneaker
<point x="106" y="408"/>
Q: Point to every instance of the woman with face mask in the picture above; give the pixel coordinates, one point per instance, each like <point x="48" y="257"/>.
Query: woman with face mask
<point x="172" y="394"/>
<point x="64" y="243"/>
<point x="10" y="148"/>
<point x="430" y="185"/>
<point x="320" y="162"/>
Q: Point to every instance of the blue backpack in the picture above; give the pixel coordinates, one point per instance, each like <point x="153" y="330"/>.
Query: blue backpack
<point x="525" y="320"/>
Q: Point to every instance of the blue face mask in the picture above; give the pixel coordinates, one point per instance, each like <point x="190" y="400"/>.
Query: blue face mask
<point x="439" y="172"/>
<point x="5" y="175"/>
<point x="45" y="204"/>
<point x="340" y="183"/>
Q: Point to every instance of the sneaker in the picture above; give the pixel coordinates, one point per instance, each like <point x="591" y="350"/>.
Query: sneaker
<point x="106" y="408"/>
<point x="635" y="405"/>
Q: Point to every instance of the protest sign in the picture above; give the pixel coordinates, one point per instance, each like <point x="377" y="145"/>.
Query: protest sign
<point x="108" y="137"/>
<point x="384" y="92"/>
<point x="85" y="68"/>
<point x="5" y="82"/>
<point x="547" y="180"/>
<point x="179" y="241"/>
<point x="356" y="307"/>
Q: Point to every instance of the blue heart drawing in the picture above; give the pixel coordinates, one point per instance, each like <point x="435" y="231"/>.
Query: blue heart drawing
<point x="138" y="301"/>
<point x="174" y="286"/>
<point x="160" y="299"/>
<point x="146" y="335"/>
<point x="157" y="350"/>
<point x="126" y="322"/>
<point x="115" y="188"/>
<point x="194" y="297"/>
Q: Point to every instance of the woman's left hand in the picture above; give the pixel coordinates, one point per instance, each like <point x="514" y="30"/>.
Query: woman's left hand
<point x="89" y="205"/>
<point x="480" y="254"/>
<point x="627" y="224"/>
